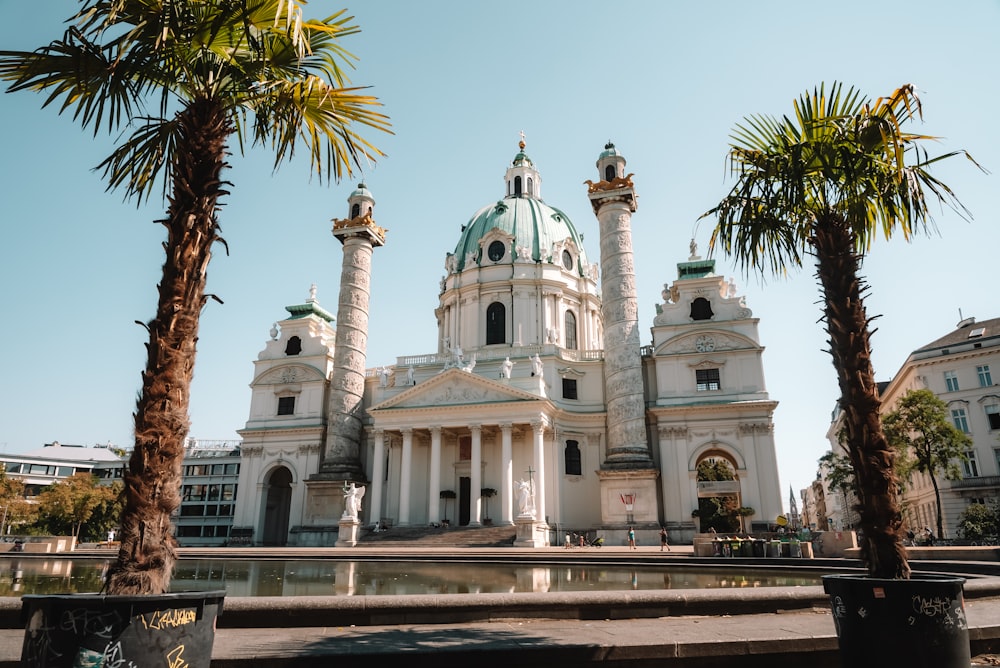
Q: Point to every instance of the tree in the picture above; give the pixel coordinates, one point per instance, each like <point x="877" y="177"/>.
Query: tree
<point x="825" y="183"/>
<point x="980" y="521"/>
<point x="487" y="493"/>
<point x="717" y="512"/>
<point x="67" y="505"/>
<point x="16" y="510"/>
<point x="919" y="427"/>
<point x="185" y="77"/>
<point x="447" y="495"/>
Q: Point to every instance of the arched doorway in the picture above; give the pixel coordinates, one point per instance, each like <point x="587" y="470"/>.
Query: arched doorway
<point x="718" y="493"/>
<point x="277" y="506"/>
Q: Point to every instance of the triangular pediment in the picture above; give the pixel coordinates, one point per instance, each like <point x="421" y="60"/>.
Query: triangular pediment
<point x="455" y="387"/>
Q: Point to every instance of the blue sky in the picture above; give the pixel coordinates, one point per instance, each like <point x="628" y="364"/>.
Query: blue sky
<point x="666" y="81"/>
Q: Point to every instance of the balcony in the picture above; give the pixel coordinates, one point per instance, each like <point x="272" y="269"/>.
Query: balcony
<point x="978" y="482"/>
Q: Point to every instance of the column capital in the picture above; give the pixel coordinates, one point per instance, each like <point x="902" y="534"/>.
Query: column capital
<point x="435" y="429"/>
<point x="476" y="428"/>
<point x="506" y="426"/>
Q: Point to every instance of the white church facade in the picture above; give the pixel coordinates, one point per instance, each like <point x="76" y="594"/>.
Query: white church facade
<point x="539" y="382"/>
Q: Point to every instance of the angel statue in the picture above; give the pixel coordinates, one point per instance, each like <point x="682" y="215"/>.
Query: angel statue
<point x="352" y="501"/>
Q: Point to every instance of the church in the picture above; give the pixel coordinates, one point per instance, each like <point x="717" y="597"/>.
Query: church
<point x="541" y="407"/>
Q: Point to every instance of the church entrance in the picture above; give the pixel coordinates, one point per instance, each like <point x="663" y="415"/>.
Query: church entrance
<point x="464" y="501"/>
<point x="277" y="507"/>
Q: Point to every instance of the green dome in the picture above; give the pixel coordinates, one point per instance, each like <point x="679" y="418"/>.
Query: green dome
<point x="362" y="191"/>
<point x="609" y="152"/>
<point x="533" y="224"/>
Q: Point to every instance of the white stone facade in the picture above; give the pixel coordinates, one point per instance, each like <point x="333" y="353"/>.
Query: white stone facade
<point x="520" y="388"/>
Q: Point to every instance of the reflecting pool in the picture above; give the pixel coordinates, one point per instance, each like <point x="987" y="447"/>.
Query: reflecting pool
<point x="249" y="577"/>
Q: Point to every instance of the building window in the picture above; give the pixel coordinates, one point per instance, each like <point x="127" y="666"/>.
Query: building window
<point x="707" y="379"/>
<point x="496" y="323"/>
<point x="496" y="250"/>
<point x="609" y="173"/>
<point x="701" y="309"/>
<point x="355" y="210"/>
<point x="531" y="187"/>
<point x="573" y="464"/>
<point x="569" y="388"/>
<point x="993" y="416"/>
<point x="464" y="448"/>
<point x="294" y="346"/>
<point x="286" y="405"/>
<point x="985" y="379"/>
<point x="569" y="330"/>
<point x="970" y="465"/>
<point x="961" y="421"/>
<point x="951" y="381"/>
<point x="517" y="186"/>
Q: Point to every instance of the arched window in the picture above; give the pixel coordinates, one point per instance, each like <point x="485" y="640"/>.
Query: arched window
<point x="496" y="323"/>
<point x="531" y="187"/>
<point x="355" y="211"/>
<point x="701" y="309"/>
<point x="294" y="346"/>
<point x="609" y="172"/>
<point x="517" y="186"/>
<point x="569" y="330"/>
<point x="572" y="455"/>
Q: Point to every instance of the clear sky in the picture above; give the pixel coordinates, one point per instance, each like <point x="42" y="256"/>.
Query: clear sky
<point x="666" y="81"/>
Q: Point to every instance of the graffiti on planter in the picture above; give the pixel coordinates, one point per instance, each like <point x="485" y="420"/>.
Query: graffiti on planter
<point x="948" y="610"/>
<point x="163" y="619"/>
<point x="175" y="658"/>
<point x="81" y="621"/>
<point x="839" y="609"/>
<point x="114" y="657"/>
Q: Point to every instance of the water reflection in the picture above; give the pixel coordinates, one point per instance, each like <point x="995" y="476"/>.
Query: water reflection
<point x="248" y="577"/>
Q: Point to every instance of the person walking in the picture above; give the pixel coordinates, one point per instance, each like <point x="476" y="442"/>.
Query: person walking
<point x="663" y="539"/>
<point x="631" y="539"/>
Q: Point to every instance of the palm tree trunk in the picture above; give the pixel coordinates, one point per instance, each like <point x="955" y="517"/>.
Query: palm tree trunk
<point x="838" y="267"/>
<point x="152" y="480"/>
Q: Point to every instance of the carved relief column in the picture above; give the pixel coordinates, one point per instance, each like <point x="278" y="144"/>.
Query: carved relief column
<point x="405" y="475"/>
<point x="359" y="236"/>
<point x="506" y="475"/>
<point x="378" y="476"/>
<point x="434" y="482"/>
<point x="476" y="477"/>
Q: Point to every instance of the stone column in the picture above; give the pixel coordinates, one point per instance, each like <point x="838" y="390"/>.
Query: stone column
<point x="476" y="476"/>
<point x="378" y="477"/>
<point x="613" y="203"/>
<point x="342" y="458"/>
<point x="434" y="484"/>
<point x="506" y="475"/>
<point x="405" y="475"/>
<point x="538" y="432"/>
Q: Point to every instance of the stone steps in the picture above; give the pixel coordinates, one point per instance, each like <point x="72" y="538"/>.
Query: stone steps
<point x="427" y="536"/>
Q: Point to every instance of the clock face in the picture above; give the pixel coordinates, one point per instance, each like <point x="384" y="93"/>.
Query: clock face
<point x="567" y="259"/>
<point x="704" y="344"/>
<point x="496" y="251"/>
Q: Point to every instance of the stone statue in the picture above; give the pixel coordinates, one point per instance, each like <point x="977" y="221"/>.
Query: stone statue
<point x="525" y="505"/>
<point x="536" y="366"/>
<point x="352" y="501"/>
<point x="693" y="247"/>
<point x="383" y="375"/>
<point x="505" y="368"/>
<point x="409" y="376"/>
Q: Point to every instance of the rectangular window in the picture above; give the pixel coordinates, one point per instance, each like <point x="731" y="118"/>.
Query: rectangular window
<point x="64" y="471"/>
<point x="971" y="465"/>
<point x="213" y="492"/>
<point x="993" y="416"/>
<point x="218" y="469"/>
<point x="208" y="532"/>
<point x="196" y="469"/>
<point x="188" y="532"/>
<point x="286" y="405"/>
<point x="707" y="379"/>
<point x="951" y="381"/>
<point x="13" y="468"/>
<point x="569" y="388"/>
<point x="961" y="421"/>
<point x="192" y="511"/>
<point x="232" y="469"/>
<point x="985" y="379"/>
<point x="573" y="460"/>
<point x="225" y="510"/>
<point x="211" y="511"/>
<point x="228" y="492"/>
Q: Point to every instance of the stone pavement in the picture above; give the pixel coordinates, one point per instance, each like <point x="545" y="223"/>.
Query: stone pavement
<point x="672" y="628"/>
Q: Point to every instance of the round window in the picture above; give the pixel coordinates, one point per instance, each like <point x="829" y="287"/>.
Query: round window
<point x="567" y="259"/>
<point x="496" y="251"/>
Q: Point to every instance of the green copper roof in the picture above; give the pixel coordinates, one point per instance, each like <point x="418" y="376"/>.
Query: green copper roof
<point x="695" y="269"/>
<point x="310" y="308"/>
<point x="533" y="224"/>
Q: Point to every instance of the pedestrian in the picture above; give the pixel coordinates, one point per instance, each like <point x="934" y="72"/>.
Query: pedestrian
<point x="929" y="535"/>
<point x="583" y="542"/>
<point x="663" y="539"/>
<point x="631" y="539"/>
<point x="567" y="541"/>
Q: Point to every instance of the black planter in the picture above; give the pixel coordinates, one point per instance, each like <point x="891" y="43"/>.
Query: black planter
<point x="92" y="630"/>
<point x="917" y="623"/>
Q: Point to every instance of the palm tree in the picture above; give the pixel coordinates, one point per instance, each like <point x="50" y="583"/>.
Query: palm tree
<point x="184" y="77"/>
<point x="825" y="183"/>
